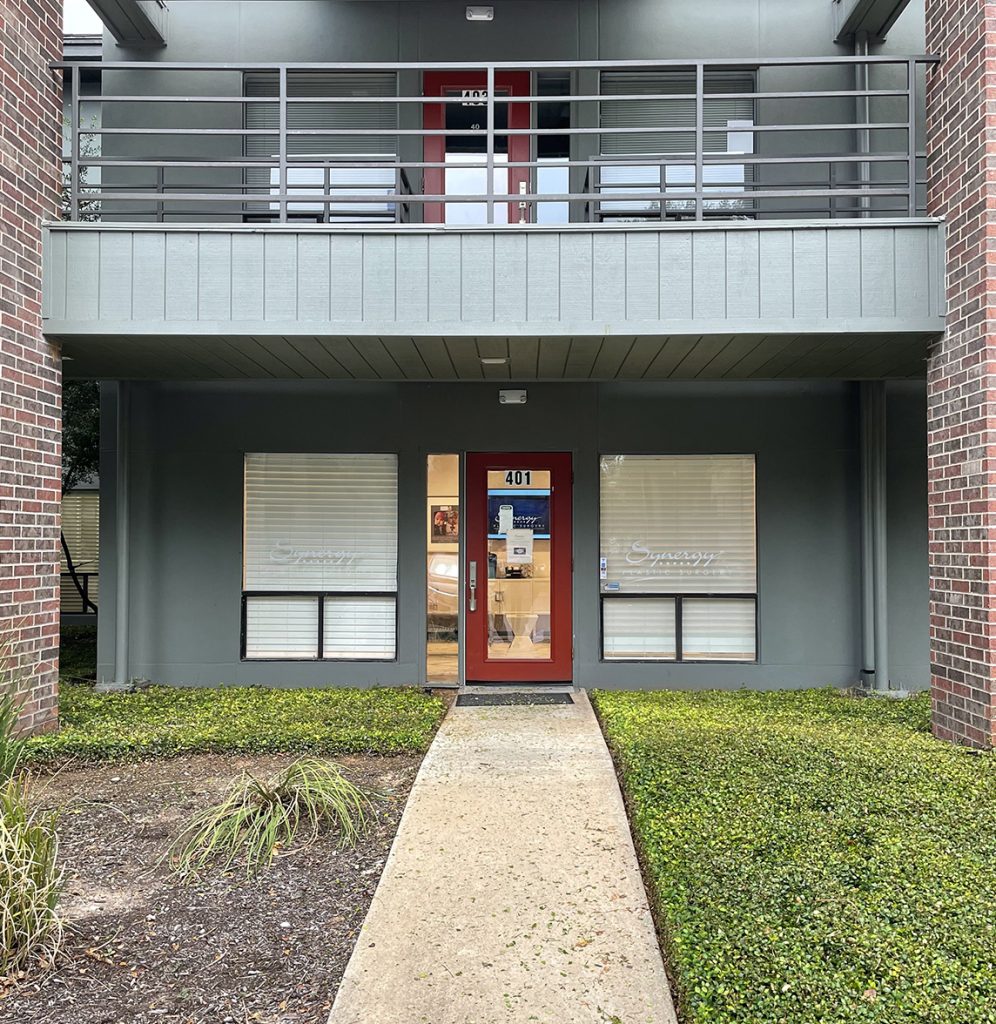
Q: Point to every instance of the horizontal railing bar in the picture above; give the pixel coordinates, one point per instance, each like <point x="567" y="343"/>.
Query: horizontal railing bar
<point x="636" y="160"/>
<point x="501" y="132"/>
<point x="498" y="99"/>
<point x="557" y="65"/>
<point x="552" y="197"/>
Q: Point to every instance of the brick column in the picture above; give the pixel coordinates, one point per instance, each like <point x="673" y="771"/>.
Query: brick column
<point x="961" y="374"/>
<point x="30" y="369"/>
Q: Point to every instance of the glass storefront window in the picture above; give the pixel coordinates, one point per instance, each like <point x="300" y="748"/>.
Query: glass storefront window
<point x="443" y="569"/>
<point x="679" y="531"/>
<point x="320" y="575"/>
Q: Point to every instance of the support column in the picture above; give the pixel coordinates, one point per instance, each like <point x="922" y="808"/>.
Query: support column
<point x="30" y="368"/>
<point x="961" y="373"/>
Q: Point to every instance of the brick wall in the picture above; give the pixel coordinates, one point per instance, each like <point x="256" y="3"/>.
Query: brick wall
<point x="961" y="375"/>
<point x="30" y="372"/>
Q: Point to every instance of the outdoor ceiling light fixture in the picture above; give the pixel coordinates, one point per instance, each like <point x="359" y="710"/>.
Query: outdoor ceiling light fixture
<point x="494" y="360"/>
<point x="480" y="14"/>
<point x="512" y="397"/>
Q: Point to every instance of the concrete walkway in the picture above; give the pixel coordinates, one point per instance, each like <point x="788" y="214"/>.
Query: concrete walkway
<point x="512" y="893"/>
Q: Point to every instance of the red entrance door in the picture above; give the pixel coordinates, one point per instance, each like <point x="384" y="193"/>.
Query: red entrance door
<point x="518" y="573"/>
<point x="463" y="155"/>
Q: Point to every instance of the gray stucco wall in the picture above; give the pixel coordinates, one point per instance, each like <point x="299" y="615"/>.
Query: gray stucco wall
<point x="187" y="446"/>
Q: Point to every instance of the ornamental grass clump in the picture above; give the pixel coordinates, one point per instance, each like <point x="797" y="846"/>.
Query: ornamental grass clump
<point x="30" y="878"/>
<point x="258" y="818"/>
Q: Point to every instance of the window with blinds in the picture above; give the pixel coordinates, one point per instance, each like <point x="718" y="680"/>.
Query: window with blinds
<point x="81" y="531"/>
<point x="728" y="120"/>
<point x="343" y="158"/>
<point x="320" y="556"/>
<point x="678" y="557"/>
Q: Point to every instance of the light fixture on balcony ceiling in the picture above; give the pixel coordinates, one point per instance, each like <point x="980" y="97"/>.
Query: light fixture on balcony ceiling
<point x="480" y="14"/>
<point x="494" y="360"/>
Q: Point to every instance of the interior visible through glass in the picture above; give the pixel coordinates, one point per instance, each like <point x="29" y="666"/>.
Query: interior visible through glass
<point x="472" y="113"/>
<point x="443" y="569"/>
<point x="519" y="567"/>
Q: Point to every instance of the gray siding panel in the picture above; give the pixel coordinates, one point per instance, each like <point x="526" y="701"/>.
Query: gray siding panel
<point x="115" y="277"/>
<point x="82" y="275"/>
<point x="247" y="276"/>
<point x="717" y="279"/>
<point x="148" y="276"/>
<point x="313" y="270"/>
<point x="214" y="278"/>
<point x="280" y="277"/>
<point x="181" y="276"/>
<point x="543" y="277"/>
<point x="675" y="270"/>
<point x="609" y="277"/>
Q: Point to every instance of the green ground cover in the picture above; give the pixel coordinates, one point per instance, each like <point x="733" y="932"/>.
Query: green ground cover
<point x="162" y="721"/>
<point x="814" y="858"/>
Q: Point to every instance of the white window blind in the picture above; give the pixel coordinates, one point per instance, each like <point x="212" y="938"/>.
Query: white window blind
<point x="678" y="525"/>
<point x="281" y="628"/>
<point x="717" y="630"/>
<point x="639" y="629"/>
<point x="320" y="524"/>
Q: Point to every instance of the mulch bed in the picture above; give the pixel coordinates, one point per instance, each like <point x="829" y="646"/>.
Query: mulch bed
<point x="143" y="947"/>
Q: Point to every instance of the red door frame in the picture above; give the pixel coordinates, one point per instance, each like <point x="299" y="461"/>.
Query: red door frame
<point x="560" y="667"/>
<point x="436" y="83"/>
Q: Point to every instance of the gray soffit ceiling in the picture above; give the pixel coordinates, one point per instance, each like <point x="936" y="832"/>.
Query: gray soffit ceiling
<point x="400" y="358"/>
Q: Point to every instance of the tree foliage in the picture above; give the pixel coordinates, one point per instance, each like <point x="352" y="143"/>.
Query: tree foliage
<point x="80" y="432"/>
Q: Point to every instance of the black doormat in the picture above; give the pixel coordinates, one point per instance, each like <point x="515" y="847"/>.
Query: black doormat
<point x="486" y="700"/>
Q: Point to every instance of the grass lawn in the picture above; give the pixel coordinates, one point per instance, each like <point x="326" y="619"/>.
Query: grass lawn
<point x="165" y="721"/>
<point x="813" y="858"/>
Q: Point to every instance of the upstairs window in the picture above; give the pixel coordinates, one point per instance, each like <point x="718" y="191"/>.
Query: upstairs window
<point x="728" y="121"/>
<point x="318" y="163"/>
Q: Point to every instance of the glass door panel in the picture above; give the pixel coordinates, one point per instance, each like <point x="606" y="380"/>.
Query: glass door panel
<point x="519" y="566"/>
<point x="518" y="571"/>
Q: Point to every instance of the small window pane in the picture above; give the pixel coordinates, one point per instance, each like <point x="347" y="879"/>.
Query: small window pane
<point x="282" y="627"/>
<point x="641" y="629"/>
<point x="718" y="630"/>
<point x="443" y="569"/>
<point x="360" y="628"/>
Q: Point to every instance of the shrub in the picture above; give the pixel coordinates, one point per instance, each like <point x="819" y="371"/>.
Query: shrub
<point x="165" y="721"/>
<point x="259" y="817"/>
<point x="812" y="857"/>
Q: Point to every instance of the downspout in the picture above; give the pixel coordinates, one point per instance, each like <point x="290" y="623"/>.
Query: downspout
<point x="867" y="540"/>
<point x="874" y="540"/>
<point x="880" y="529"/>
<point x="122" y="540"/>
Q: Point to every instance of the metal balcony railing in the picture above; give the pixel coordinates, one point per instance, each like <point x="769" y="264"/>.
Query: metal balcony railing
<point x="496" y="144"/>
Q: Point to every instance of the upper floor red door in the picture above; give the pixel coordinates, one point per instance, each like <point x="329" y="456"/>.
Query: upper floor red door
<point x="463" y="155"/>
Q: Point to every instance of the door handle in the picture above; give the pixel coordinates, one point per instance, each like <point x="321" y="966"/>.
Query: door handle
<point x="472" y="582"/>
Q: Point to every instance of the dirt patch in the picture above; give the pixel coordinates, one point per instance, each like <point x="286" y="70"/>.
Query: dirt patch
<point x="143" y="947"/>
